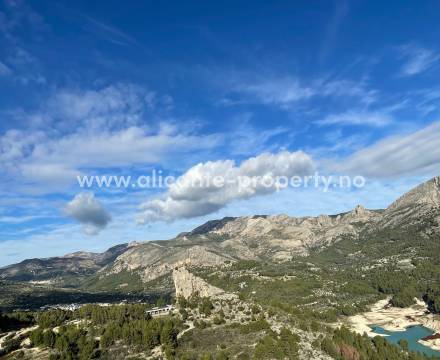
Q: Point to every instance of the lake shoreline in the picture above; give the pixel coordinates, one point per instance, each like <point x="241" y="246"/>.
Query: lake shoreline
<point x="394" y="319"/>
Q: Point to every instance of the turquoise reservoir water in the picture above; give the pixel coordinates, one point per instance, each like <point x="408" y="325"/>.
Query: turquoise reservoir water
<point x="412" y="334"/>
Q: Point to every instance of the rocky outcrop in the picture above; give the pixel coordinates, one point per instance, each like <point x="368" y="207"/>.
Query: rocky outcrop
<point x="426" y="195"/>
<point x="153" y="260"/>
<point x="280" y="236"/>
<point x="349" y="352"/>
<point x="416" y="206"/>
<point x="187" y="285"/>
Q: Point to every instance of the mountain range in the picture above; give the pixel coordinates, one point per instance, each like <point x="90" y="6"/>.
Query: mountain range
<point x="274" y="238"/>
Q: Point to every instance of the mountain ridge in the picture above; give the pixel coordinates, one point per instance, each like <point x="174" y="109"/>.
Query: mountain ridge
<point x="79" y="263"/>
<point x="219" y="242"/>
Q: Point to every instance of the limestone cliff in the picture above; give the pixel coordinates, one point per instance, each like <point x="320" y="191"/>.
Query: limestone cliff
<point x="415" y="207"/>
<point x="187" y="284"/>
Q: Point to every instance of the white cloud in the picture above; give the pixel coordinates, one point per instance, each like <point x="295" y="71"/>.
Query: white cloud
<point x="20" y="219"/>
<point x="121" y="148"/>
<point x="41" y="160"/>
<point x="4" y="69"/>
<point x="402" y="155"/>
<point x="16" y="15"/>
<point x="108" y="32"/>
<point x="92" y="129"/>
<point x="110" y="107"/>
<point x="287" y="91"/>
<point x="332" y="29"/>
<point x="348" y="88"/>
<point x="197" y="193"/>
<point x="246" y="140"/>
<point x="88" y="211"/>
<point x="21" y="57"/>
<point x="363" y="118"/>
<point x="418" y="59"/>
<point x="282" y="91"/>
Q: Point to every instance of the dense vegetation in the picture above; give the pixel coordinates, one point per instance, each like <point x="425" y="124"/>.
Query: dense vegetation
<point x="113" y="325"/>
<point x="93" y="331"/>
<point x="274" y="346"/>
<point x="16" y="320"/>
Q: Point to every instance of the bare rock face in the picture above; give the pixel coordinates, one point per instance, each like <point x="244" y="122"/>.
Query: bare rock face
<point x="281" y="236"/>
<point x="187" y="284"/>
<point x="425" y="195"/>
<point x="415" y="206"/>
<point x="152" y="260"/>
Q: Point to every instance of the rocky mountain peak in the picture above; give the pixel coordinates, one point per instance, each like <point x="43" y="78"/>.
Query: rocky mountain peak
<point x="209" y="226"/>
<point x="359" y="210"/>
<point x="415" y="206"/>
<point x="81" y="254"/>
<point x="424" y="195"/>
<point x="359" y="213"/>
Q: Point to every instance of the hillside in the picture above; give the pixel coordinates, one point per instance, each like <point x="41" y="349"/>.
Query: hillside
<point x="258" y="287"/>
<point x="277" y="238"/>
<point x="61" y="270"/>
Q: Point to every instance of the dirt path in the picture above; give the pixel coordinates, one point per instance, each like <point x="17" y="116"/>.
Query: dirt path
<point x="191" y="326"/>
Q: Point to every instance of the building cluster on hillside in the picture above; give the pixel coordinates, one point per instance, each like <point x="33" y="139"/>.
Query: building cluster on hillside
<point x="160" y="310"/>
<point x="76" y="306"/>
<point x="66" y="307"/>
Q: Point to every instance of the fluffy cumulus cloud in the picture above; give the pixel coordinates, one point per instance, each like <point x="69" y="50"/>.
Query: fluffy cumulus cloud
<point x="417" y="153"/>
<point x="88" y="211"/>
<point x="207" y="187"/>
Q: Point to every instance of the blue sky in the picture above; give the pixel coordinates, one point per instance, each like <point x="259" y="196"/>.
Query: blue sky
<point x="93" y="88"/>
